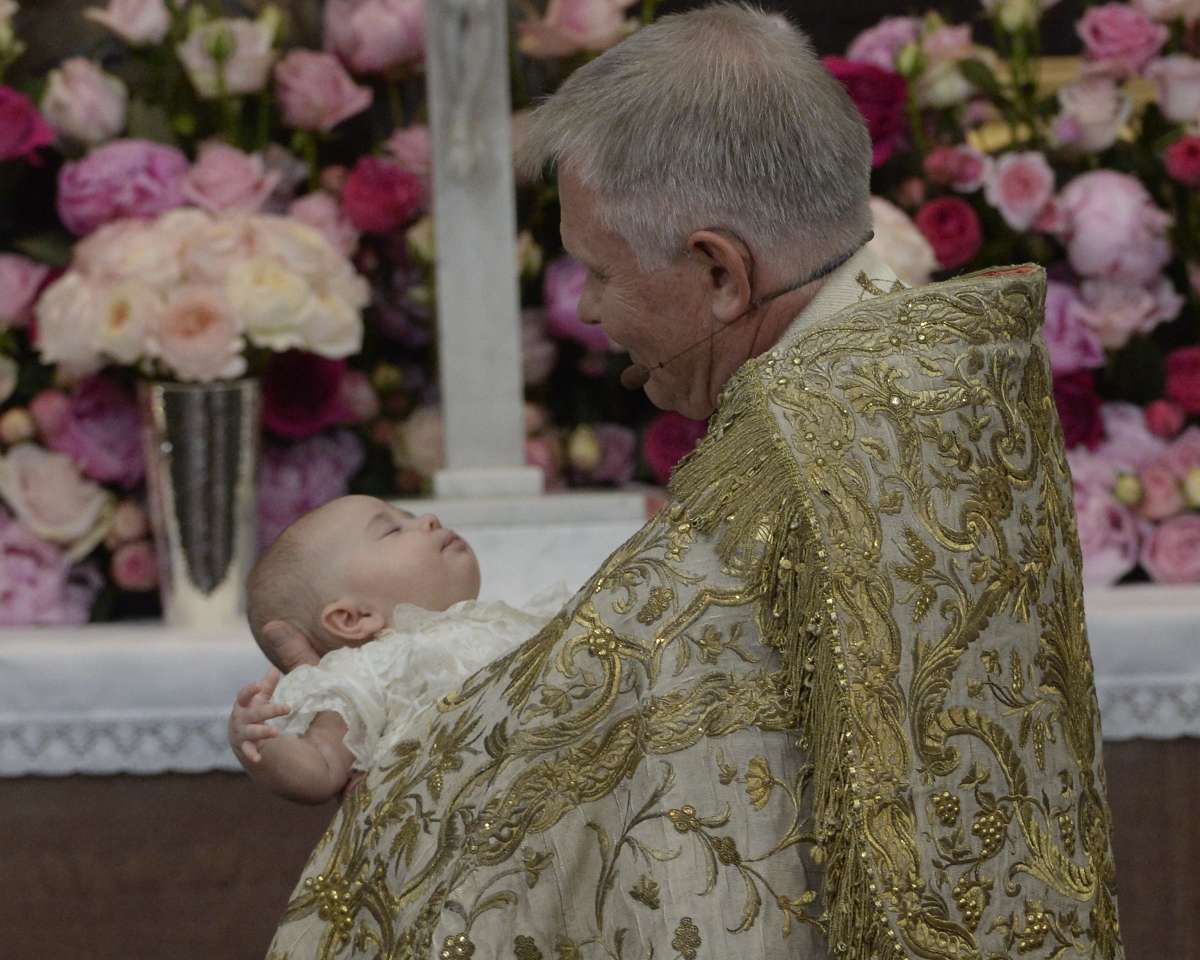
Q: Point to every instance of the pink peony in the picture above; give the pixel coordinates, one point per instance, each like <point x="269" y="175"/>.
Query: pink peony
<point x="85" y="103"/>
<point x="134" y="566"/>
<point x="323" y="213"/>
<point x="1079" y="409"/>
<point x="668" y="438"/>
<point x="22" y="129"/>
<point x="1182" y="161"/>
<point x="249" y="46"/>
<point x="1116" y="310"/>
<point x="1019" y="186"/>
<point x="20" y="281"/>
<point x="301" y="476"/>
<point x="880" y="96"/>
<point x="225" y="178"/>
<point x="375" y="36"/>
<point x="1120" y="37"/>
<point x="1108" y="536"/>
<point x="303" y="394"/>
<point x="197" y="336"/>
<point x="1178" y="80"/>
<point x="562" y="288"/>
<point x="1164" y="418"/>
<point x="38" y="586"/>
<point x="410" y="148"/>
<point x="379" y="196"/>
<point x="1171" y="553"/>
<point x="1112" y="227"/>
<point x="1093" y="111"/>
<point x="953" y="230"/>
<point x="315" y="91"/>
<point x="137" y="22"/>
<point x="47" y="493"/>
<point x="569" y="26"/>
<point x="1072" y="345"/>
<point x="1183" y="378"/>
<point x="881" y="44"/>
<point x="125" y="178"/>
<point x="98" y="427"/>
<point x="963" y="168"/>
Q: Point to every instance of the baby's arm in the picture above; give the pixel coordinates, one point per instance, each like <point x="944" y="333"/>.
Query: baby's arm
<point x="311" y="768"/>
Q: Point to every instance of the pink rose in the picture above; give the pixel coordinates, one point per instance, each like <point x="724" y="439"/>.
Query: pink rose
<point x="315" y="91"/>
<point x="135" y="566"/>
<point x="1165" y="11"/>
<point x="880" y="96"/>
<point x="20" y="281"/>
<point x="963" y="168"/>
<point x="137" y="22"/>
<point x="249" y="46"/>
<point x="668" y="438"/>
<point x="562" y="288"/>
<point x="1182" y="160"/>
<point x="1171" y="553"/>
<point x="225" y="178"/>
<point x="879" y="45"/>
<point x="1070" y="342"/>
<point x="1183" y="378"/>
<point x="303" y="394"/>
<point x="410" y="148"/>
<point x="538" y="352"/>
<point x="375" y="36"/>
<point x="38" y="586"/>
<point x="1117" y="310"/>
<point x="1178" y="80"/>
<point x="125" y="178"/>
<point x="1108" y="536"/>
<point x="322" y="212"/>
<point x="1019" y="186"/>
<point x="47" y="493"/>
<point x="1119" y="36"/>
<point x="85" y="103"/>
<point x="99" y="429"/>
<point x="22" y="129"/>
<point x="379" y="196"/>
<point x="569" y="26"/>
<point x="1164" y="418"/>
<point x="1093" y="111"/>
<point x="1162" y="495"/>
<point x="197" y="336"/>
<point x="953" y="230"/>
<point x="302" y="476"/>
<point x="1112" y="227"/>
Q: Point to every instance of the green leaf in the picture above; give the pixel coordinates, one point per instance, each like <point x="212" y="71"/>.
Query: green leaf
<point x="980" y="75"/>
<point x="52" y="248"/>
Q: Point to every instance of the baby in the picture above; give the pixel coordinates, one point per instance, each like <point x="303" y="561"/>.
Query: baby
<point x="388" y="602"/>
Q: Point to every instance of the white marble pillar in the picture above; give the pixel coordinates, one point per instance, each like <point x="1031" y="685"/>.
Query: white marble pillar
<point x="475" y="225"/>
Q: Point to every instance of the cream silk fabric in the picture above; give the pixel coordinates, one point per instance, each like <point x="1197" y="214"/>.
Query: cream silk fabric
<point x="834" y="699"/>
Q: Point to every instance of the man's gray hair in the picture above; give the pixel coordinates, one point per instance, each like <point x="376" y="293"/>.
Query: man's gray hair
<point x="722" y="117"/>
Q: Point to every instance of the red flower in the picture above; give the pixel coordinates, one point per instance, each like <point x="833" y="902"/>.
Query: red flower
<point x="952" y="228"/>
<point x="880" y="96"/>
<point x="1079" y="409"/>
<point x="379" y="196"/>
<point x="22" y="128"/>
<point x="1183" y="378"/>
<point x="1182" y="160"/>
<point x="667" y="440"/>
<point x="302" y="394"/>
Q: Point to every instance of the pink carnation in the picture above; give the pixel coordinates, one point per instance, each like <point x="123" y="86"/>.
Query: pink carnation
<point x="1171" y="553"/>
<point x="669" y="437"/>
<point x="1019" y="186"/>
<point x="124" y="178"/>
<point x="98" y="426"/>
<point x="302" y="476"/>
<point x="1120" y="37"/>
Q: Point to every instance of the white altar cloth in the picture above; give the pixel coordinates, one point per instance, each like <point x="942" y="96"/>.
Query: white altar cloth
<point x="139" y="698"/>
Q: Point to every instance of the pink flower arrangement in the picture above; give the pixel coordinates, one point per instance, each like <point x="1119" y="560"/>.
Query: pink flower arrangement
<point x="1120" y="36"/>
<point x="98" y="426"/>
<point x="125" y="178"/>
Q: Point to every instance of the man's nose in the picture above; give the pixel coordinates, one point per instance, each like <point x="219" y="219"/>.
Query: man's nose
<point x="428" y="522"/>
<point x="586" y="311"/>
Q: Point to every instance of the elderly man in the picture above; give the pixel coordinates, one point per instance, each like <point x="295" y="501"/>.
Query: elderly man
<point x="836" y="698"/>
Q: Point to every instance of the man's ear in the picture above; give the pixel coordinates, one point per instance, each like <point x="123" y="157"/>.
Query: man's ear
<point x="288" y="646"/>
<point x="729" y="268"/>
<point x="350" y="621"/>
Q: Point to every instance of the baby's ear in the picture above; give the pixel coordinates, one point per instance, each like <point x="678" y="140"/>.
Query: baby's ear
<point x="350" y="622"/>
<point x="287" y="646"/>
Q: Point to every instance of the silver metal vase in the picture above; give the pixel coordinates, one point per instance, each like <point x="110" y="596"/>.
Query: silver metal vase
<point x="202" y="454"/>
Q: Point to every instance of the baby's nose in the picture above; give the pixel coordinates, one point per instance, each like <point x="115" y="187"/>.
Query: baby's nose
<point x="429" y="522"/>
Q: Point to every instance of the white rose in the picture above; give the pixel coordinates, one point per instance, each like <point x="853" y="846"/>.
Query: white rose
<point x="334" y="327"/>
<point x="420" y="442"/>
<point x="900" y="244"/>
<point x="1178" y="80"/>
<point x="85" y="103"/>
<point x="246" y="47"/>
<point x="128" y="312"/>
<point x="212" y="250"/>
<point x="1096" y="109"/>
<point x="274" y="303"/>
<point x="49" y="495"/>
<point x="137" y="22"/>
<point x="297" y="245"/>
<point x="66" y="316"/>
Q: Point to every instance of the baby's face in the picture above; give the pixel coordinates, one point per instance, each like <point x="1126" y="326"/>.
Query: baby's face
<point x="382" y="555"/>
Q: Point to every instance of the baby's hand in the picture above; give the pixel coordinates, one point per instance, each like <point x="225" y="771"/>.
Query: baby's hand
<point x="251" y="711"/>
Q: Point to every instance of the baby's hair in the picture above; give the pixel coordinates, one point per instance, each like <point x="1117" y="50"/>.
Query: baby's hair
<point x="280" y="587"/>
